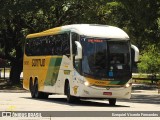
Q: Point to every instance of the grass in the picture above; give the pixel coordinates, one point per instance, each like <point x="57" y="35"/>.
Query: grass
<point x="143" y="81"/>
<point x="144" y="76"/>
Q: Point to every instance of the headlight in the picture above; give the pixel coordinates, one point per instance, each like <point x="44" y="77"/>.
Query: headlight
<point x="128" y="85"/>
<point x="86" y="83"/>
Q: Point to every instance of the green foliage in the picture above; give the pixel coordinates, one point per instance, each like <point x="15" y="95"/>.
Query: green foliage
<point x="1" y="51"/>
<point x="19" y="18"/>
<point x="150" y="60"/>
<point x="139" y="18"/>
<point x="143" y="26"/>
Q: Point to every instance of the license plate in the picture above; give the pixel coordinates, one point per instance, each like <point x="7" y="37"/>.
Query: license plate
<point x="107" y="93"/>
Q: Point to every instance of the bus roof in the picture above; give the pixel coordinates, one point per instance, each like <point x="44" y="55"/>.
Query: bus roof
<point x="92" y="30"/>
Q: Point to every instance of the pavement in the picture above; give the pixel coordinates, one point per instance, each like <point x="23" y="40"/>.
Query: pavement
<point x="145" y="97"/>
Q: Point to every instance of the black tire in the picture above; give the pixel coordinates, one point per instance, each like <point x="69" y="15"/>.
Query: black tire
<point x="31" y="88"/>
<point x="112" y="101"/>
<point x="44" y="95"/>
<point x="37" y="94"/>
<point x="70" y="98"/>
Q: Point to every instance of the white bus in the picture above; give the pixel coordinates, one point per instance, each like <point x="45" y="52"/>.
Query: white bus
<point x="79" y="61"/>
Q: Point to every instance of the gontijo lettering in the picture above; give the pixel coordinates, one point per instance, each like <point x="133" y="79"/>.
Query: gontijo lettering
<point x="38" y="62"/>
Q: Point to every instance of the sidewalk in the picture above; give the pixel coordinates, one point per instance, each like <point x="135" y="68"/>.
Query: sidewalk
<point x="6" y="87"/>
<point x="145" y="89"/>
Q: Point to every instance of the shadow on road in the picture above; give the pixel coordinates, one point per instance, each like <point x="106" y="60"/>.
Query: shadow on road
<point x="78" y="103"/>
<point x="140" y="95"/>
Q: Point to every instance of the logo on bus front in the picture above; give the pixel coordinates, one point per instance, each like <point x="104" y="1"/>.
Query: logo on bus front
<point x="100" y="82"/>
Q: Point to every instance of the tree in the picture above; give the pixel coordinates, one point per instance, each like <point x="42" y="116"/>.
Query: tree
<point x="19" y="18"/>
<point x="150" y="60"/>
<point x="139" y="18"/>
<point x="142" y="21"/>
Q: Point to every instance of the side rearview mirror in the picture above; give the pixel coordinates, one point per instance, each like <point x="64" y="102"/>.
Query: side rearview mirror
<point x="79" y="50"/>
<point x="136" y="50"/>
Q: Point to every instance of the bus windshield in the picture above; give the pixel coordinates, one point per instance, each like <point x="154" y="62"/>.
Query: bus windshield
<point x="102" y="55"/>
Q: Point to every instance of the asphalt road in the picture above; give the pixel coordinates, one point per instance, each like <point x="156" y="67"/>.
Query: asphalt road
<point x="142" y="100"/>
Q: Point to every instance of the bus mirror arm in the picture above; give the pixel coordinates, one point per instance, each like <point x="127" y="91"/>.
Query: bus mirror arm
<point x="136" y="50"/>
<point x="79" y="50"/>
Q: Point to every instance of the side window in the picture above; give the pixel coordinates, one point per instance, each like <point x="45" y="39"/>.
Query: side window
<point x="43" y="46"/>
<point x="58" y="45"/>
<point x="48" y="45"/>
<point x="36" y="48"/>
<point x="27" y="47"/>
<point x="66" y="44"/>
<point x="51" y="45"/>
<point x="30" y="47"/>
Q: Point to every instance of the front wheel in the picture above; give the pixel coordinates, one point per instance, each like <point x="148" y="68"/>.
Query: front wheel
<point x="70" y="98"/>
<point x="112" y="101"/>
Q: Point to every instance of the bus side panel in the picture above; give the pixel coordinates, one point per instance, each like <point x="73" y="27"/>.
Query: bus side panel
<point x="35" y="68"/>
<point x="65" y="73"/>
<point x="52" y="74"/>
<point x="26" y="72"/>
<point x="53" y="70"/>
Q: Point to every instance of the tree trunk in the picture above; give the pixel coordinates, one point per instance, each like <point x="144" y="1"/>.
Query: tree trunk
<point x="16" y="66"/>
<point x="15" y="72"/>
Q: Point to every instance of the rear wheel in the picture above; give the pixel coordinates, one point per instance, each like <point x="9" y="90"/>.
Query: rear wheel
<point x="112" y="101"/>
<point x="38" y="94"/>
<point x="31" y="88"/>
<point x="45" y="95"/>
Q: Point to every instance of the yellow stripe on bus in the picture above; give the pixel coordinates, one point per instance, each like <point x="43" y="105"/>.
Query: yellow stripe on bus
<point x="97" y="82"/>
<point x="45" y="33"/>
